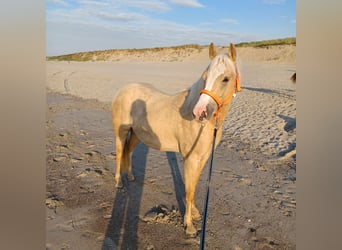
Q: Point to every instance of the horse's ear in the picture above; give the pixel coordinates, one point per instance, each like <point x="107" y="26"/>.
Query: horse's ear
<point x="232" y="52"/>
<point x="205" y="75"/>
<point x="212" y="51"/>
<point x="293" y="77"/>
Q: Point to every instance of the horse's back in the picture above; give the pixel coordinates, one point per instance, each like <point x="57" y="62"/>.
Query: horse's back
<point x="138" y="91"/>
<point x="133" y="99"/>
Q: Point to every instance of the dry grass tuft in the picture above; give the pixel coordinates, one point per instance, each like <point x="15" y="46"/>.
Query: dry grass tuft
<point x="174" y="53"/>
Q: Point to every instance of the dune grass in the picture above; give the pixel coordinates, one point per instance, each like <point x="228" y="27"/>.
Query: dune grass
<point x="266" y="43"/>
<point x="102" y="55"/>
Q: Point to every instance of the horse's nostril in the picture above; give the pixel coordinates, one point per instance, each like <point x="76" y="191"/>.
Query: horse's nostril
<point x="203" y="115"/>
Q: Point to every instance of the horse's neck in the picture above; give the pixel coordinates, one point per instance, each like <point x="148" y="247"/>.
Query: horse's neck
<point x="223" y="114"/>
<point x="194" y="93"/>
<point x="189" y="99"/>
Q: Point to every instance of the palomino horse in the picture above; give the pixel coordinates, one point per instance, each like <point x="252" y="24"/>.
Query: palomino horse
<point x="183" y="122"/>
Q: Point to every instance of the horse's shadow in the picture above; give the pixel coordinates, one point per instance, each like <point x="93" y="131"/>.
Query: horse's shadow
<point x="122" y="229"/>
<point x="284" y="93"/>
<point x="290" y="126"/>
<point x="290" y="123"/>
<point x="177" y="181"/>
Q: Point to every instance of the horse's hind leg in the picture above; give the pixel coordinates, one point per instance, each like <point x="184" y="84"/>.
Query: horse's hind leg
<point x="121" y="140"/>
<point x="132" y="141"/>
<point x="119" y="155"/>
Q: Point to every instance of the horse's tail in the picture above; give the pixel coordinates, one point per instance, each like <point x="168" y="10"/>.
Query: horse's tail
<point x="126" y="153"/>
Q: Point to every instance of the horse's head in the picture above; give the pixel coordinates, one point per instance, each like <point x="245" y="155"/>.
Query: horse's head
<point x="221" y="81"/>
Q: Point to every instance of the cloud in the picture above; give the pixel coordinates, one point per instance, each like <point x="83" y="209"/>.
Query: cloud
<point x="90" y="12"/>
<point x="123" y="17"/>
<point x="230" y="21"/>
<point x="188" y="3"/>
<point x="69" y="37"/>
<point x="85" y="25"/>
<point x="147" y="5"/>
<point x="96" y="4"/>
<point x="59" y="2"/>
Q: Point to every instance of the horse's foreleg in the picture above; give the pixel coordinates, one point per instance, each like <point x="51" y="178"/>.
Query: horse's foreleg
<point x="196" y="175"/>
<point x="194" y="211"/>
<point x="192" y="172"/>
<point x="190" y="179"/>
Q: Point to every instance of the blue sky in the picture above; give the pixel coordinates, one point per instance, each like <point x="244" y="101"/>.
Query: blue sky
<point x="87" y="25"/>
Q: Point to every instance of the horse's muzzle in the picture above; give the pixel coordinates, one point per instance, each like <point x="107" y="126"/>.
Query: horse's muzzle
<point x="204" y="113"/>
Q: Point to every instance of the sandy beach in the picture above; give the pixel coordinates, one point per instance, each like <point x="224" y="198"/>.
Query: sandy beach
<point x="253" y="202"/>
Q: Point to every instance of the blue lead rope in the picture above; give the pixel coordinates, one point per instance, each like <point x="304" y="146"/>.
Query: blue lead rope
<point x="205" y="209"/>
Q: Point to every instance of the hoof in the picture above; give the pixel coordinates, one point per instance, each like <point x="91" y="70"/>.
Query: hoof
<point x="195" y="215"/>
<point x="118" y="181"/>
<point x="191" y="231"/>
<point x="119" y="184"/>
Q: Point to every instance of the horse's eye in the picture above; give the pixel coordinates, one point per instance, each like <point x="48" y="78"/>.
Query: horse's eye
<point x="225" y="79"/>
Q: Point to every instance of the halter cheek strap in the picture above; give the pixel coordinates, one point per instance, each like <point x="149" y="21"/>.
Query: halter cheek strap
<point x="218" y="101"/>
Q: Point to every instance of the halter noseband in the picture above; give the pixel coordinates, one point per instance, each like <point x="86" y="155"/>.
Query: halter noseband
<point x="218" y="101"/>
